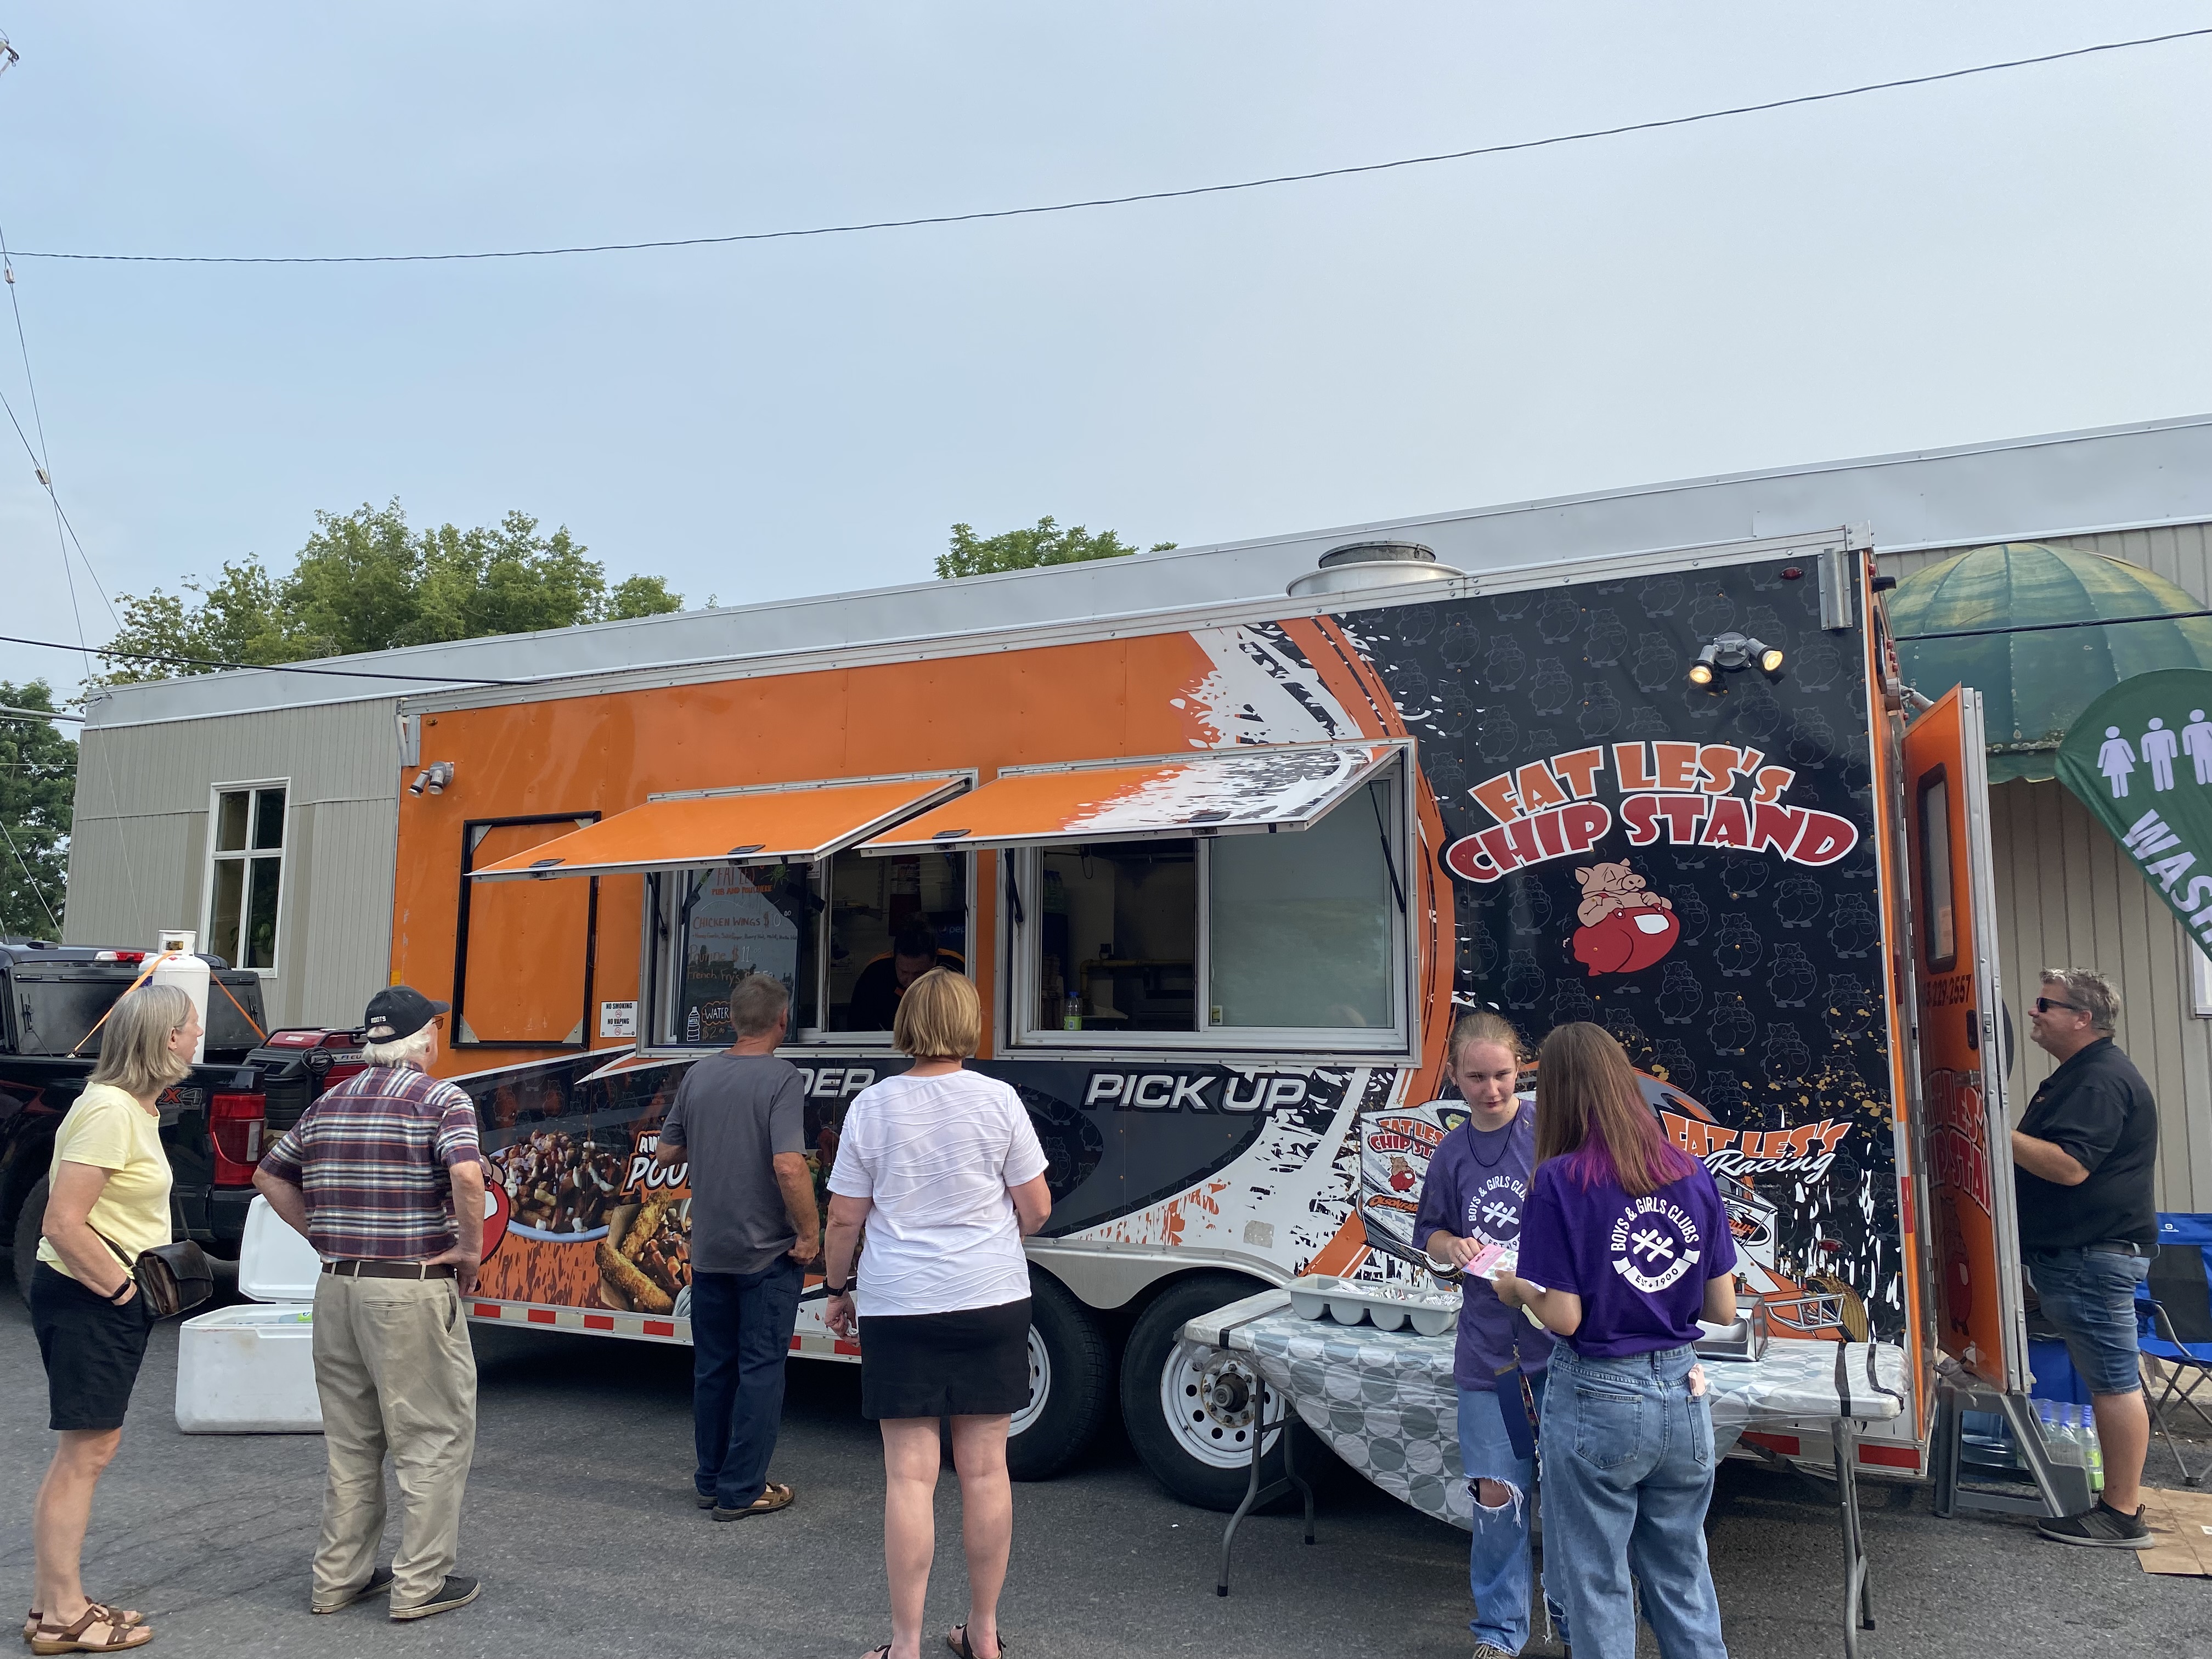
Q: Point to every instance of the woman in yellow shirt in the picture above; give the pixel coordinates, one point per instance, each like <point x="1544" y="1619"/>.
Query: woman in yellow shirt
<point x="109" y="1187"/>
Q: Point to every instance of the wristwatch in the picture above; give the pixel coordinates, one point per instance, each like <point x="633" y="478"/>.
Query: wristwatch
<point x="836" y="1290"/>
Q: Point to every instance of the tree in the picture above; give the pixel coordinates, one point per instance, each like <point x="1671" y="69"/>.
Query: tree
<point x="366" y="581"/>
<point x="971" y="555"/>
<point x="37" y="793"/>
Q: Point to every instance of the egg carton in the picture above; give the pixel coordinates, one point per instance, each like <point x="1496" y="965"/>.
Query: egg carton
<point x="1389" y="1307"/>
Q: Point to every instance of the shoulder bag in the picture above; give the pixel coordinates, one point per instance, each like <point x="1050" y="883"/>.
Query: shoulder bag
<point x="172" y="1279"/>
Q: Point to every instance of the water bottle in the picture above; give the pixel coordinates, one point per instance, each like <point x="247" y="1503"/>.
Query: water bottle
<point x="1070" y="1019"/>
<point x="2060" y="1443"/>
<point x="691" y="1025"/>
<point x="2085" y="1427"/>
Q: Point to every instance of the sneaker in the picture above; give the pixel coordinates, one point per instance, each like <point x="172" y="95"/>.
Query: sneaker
<point x="378" y="1581"/>
<point x="455" y="1592"/>
<point x="2103" y="1528"/>
<point x="1491" y="1650"/>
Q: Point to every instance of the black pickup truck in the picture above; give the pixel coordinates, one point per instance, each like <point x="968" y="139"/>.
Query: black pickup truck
<point x="252" y="1085"/>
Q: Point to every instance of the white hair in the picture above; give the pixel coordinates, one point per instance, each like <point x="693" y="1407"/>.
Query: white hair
<point x="413" y="1049"/>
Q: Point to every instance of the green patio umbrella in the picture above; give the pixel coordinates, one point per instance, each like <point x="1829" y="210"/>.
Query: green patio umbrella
<point x="1985" y="618"/>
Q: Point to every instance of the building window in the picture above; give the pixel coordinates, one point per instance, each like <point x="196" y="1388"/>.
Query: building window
<point x="245" y="873"/>
<point x="1295" y="940"/>
<point x="844" y="935"/>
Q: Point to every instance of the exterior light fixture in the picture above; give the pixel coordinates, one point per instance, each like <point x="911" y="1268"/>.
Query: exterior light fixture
<point x="1728" y="653"/>
<point x="433" y="777"/>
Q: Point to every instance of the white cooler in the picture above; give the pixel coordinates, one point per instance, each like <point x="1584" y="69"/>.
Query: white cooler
<point x="251" y="1371"/>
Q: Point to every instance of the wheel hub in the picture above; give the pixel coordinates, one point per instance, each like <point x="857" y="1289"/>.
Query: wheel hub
<point x="1040" y="1385"/>
<point x="1210" y="1398"/>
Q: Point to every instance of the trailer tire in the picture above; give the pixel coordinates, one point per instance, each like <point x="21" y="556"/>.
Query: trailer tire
<point x="30" y="1222"/>
<point x="1071" y="1383"/>
<point x="1186" y="1406"/>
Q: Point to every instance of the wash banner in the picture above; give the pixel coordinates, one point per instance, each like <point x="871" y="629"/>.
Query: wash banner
<point x="2141" y="758"/>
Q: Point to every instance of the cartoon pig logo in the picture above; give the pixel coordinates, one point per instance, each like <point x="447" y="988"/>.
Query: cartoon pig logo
<point x="1626" y="926"/>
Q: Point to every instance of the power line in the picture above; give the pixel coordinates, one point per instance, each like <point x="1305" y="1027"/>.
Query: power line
<point x="1117" y="201"/>
<point x="270" y="667"/>
<point x="43" y="464"/>
<point x="37" y="892"/>
<point x="8" y="711"/>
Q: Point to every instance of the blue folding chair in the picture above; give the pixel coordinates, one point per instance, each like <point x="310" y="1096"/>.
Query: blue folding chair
<point x="2174" y="1311"/>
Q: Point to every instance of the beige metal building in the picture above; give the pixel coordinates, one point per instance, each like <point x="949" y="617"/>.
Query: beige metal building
<point x="261" y="808"/>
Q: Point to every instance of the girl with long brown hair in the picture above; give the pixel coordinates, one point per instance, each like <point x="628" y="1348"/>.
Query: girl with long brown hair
<point x="1625" y="1246"/>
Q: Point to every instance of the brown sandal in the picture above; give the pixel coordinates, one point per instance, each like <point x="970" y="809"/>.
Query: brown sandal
<point x="33" y="1619"/>
<point x="122" y="1616"/>
<point x="72" y="1638"/>
<point x="774" y="1496"/>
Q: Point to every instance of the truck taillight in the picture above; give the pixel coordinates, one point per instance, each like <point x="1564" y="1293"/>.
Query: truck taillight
<point x="234" y="1123"/>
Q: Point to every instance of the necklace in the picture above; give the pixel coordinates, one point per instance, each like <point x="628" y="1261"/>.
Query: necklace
<point x="1504" y="1132"/>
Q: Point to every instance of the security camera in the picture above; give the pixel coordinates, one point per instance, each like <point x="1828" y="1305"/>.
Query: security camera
<point x="433" y="777"/>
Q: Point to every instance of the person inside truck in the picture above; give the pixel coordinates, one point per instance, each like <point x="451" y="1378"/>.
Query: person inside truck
<point x="876" y="992"/>
<point x="1625" y="1247"/>
<point x="108" y="1200"/>
<point x="1471" y="1201"/>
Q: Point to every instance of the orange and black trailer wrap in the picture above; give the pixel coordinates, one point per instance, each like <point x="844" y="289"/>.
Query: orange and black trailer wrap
<point x="1592" y="838"/>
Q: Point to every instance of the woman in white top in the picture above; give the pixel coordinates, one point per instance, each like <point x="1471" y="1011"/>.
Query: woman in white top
<point x="942" y="1165"/>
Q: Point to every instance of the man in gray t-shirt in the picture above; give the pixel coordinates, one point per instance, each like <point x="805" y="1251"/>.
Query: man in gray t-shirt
<point x="739" y="1122"/>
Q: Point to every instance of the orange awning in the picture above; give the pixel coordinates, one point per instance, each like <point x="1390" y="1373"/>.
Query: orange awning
<point x="1224" y="792"/>
<point x="781" y="823"/>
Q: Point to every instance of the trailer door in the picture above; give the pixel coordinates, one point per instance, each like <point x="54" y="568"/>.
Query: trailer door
<point x="1966" y="1147"/>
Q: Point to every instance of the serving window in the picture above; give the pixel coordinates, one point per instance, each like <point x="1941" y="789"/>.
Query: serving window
<point x="760" y="880"/>
<point x="1252" y="898"/>
<point x="844" y="935"/>
<point x="1290" y="939"/>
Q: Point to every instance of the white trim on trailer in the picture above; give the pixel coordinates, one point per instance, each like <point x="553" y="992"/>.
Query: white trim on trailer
<point x="1266" y="608"/>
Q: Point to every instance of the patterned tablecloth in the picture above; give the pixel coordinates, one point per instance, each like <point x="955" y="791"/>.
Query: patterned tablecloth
<point x="1386" y="1403"/>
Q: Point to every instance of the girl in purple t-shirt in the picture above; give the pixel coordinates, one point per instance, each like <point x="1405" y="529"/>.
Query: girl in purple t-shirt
<point x="1625" y="1246"/>
<point x="1471" y="1198"/>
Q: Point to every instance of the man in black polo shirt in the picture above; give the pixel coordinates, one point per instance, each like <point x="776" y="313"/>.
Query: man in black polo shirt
<point x="2081" y="1164"/>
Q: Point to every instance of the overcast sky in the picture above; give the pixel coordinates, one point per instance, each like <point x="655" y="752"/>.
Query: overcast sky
<point x="2000" y="256"/>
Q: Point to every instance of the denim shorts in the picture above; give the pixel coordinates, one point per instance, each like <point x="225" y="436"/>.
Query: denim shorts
<point x="2089" y="1296"/>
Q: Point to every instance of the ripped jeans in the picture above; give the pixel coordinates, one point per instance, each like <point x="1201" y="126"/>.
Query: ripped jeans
<point x="1498" y="1559"/>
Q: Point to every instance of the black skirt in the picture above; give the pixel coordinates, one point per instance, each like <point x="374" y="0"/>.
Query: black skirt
<point x="973" y="1362"/>
<point x="92" y="1349"/>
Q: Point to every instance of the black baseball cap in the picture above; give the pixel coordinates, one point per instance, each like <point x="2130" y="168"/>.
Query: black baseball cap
<point x="400" y="1011"/>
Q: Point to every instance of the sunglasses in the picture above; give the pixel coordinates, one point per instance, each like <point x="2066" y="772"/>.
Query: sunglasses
<point x="2044" y="1005"/>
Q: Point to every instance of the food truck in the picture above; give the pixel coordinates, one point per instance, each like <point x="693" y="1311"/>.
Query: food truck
<point x="1224" y="881"/>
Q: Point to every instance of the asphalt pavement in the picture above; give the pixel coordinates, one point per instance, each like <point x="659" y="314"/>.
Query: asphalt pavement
<point x="581" y="1524"/>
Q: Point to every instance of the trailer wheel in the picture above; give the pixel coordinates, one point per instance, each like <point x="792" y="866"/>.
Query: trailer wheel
<point x="1071" y="1374"/>
<point x="1189" y="1409"/>
<point x="30" y="1222"/>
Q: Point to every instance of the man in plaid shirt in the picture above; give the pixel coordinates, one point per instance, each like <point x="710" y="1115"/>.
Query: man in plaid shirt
<point x="384" y="1175"/>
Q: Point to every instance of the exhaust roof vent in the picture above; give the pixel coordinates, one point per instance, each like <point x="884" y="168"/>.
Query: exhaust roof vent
<point x="1360" y="565"/>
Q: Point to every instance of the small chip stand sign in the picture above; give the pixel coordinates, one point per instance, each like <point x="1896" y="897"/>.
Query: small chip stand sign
<point x="2141" y="758"/>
